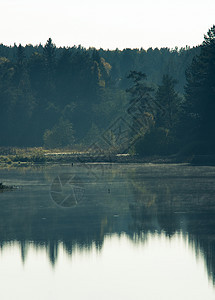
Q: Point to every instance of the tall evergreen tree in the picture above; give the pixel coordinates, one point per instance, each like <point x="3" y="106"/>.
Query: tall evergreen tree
<point x="49" y="52"/>
<point x="200" y="91"/>
<point x="141" y="109"/>
<point x="170" y="101"/>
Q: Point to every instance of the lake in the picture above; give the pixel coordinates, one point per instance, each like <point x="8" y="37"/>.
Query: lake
<point x="108" y="231"/>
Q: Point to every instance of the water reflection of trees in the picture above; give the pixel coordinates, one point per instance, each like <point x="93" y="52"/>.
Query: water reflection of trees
<point x="136" y="205"/>
<point x="49" y="229"/>
<point x="86" y="232"/>
<point x="171" y="205"/>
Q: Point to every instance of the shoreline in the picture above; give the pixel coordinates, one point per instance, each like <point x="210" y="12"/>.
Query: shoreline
<point x="43" y="158"/>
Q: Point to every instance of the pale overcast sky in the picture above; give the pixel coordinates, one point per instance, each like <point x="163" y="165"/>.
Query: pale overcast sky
<point x="106" y="24"/>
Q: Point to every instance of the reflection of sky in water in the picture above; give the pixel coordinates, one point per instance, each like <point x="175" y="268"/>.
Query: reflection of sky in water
<point x="156" y="267"/>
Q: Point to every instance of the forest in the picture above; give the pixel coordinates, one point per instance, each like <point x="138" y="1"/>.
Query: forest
<point x="146" y="102"/>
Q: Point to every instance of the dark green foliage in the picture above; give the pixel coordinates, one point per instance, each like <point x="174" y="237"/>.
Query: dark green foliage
<point x="61" y="135"/>
<point x="200" y="93"/>
<point x="142" y="108"/>
<point x="49" y="54"/>
<point x="197" y="147"/>
<point x="157" y="115"/>
<point x="157" y="141"/>
<point x="154" y="62"/>
<point x="170" y="102"/>
<point x="139" y="90"/>
<point x="60" y="96"/>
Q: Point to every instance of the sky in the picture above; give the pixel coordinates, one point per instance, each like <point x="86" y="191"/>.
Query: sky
<point x="106" y="24"/>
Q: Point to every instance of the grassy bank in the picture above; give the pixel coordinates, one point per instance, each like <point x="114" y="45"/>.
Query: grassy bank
<point x="32" y="156"/>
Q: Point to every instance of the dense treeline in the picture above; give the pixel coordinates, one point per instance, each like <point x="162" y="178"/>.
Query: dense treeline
<point x="60" y="97"/>
<point x="179" y="123"/>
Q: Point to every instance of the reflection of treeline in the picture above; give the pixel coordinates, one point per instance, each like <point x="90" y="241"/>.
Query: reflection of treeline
<point x="203" y="241"/>
<point x="50" y="228"/>
<point x="177" y="204"/>
<point x="60" y="96"/>
<point x="198" y="228"/>
<point x="133" y="199"/>
<point x="85" y="229"/>
<point x="72" y="237"/>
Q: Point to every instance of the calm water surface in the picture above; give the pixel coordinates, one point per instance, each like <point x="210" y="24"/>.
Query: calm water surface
<point x="108" y="232"/>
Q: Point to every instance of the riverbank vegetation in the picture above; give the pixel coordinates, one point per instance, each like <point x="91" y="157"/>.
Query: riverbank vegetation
<point x="155" y="102"/>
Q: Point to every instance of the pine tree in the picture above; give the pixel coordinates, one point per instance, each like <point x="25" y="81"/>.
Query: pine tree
<point x="200" y="90"/>
<point x="170" y="101"/>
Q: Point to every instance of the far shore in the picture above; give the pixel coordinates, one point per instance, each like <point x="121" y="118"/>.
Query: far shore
<point x="34" y="156"/>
